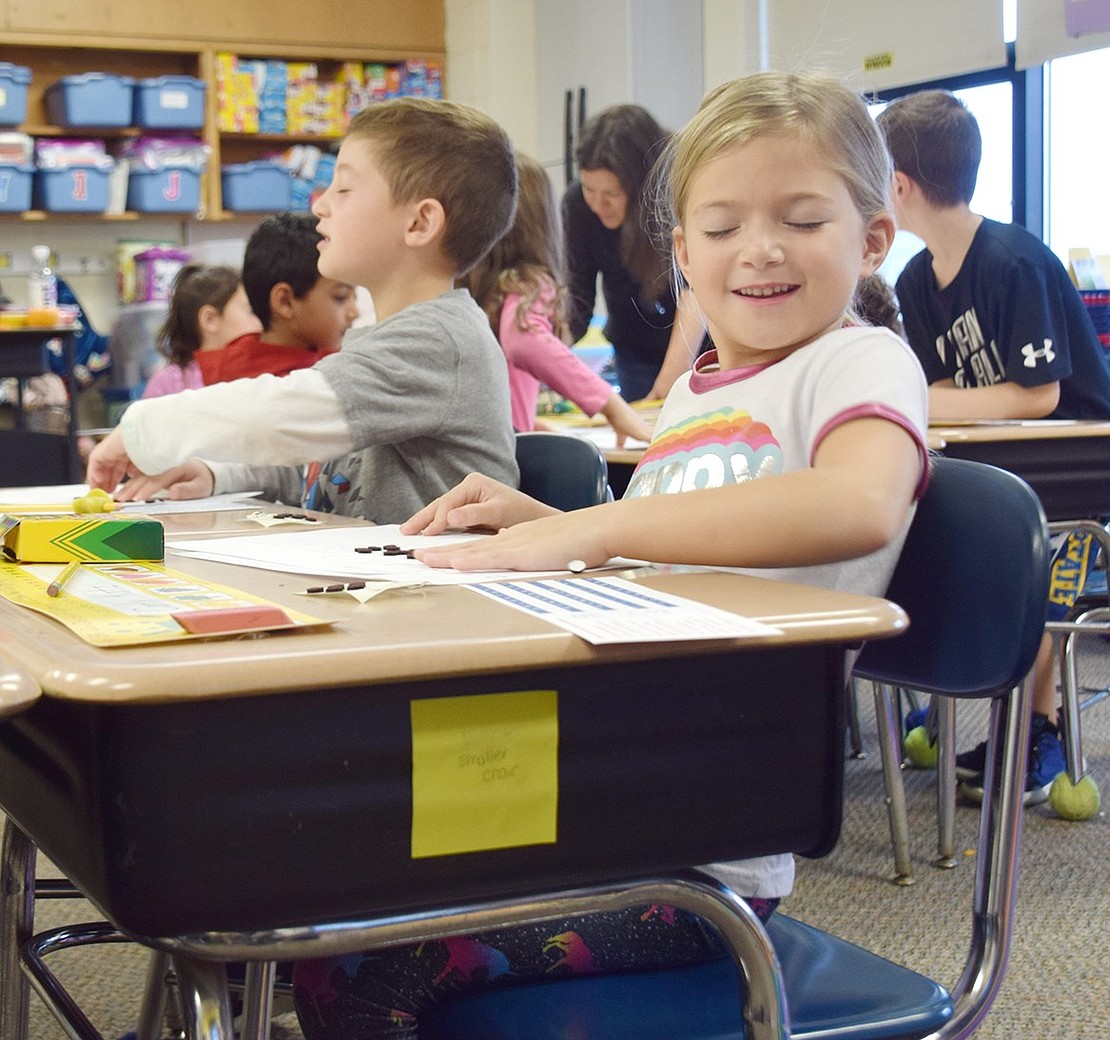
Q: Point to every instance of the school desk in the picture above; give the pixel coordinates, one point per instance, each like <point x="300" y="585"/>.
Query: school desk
<point x="23" y="354"/>
<point x="238" y="797"/>
<point x="1067" y="462"/>
<point x="18" y="691"/>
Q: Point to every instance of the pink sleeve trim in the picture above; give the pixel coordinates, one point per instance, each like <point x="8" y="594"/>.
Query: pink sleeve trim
<point x="879" y="411"/>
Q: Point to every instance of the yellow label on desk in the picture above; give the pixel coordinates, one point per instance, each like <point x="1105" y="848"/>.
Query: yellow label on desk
<point x="485" y="772"/>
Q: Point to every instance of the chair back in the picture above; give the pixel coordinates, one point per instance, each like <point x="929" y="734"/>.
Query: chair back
<point x="973" y="578"/>
<point x="562" y="470"/>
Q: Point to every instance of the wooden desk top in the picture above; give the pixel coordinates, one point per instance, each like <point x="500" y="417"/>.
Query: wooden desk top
<point x="941" y="434"/>
<point x="984" y="431"/>
<point x="15" y="334"/>
<point x="17" y="689"/>
<point x="434" y="632"/>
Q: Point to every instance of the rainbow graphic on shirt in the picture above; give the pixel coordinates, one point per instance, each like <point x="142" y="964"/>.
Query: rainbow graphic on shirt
<point x="716" y="449"/>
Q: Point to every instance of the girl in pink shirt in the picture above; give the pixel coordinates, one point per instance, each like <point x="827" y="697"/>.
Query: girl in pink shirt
<point x="208" y="309"/>
<point x="519" y="284"/>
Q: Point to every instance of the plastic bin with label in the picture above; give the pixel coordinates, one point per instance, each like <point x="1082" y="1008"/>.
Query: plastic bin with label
<point x="91" y="99"/>
<point x="257" y="186"/>
<point x="169" y="103"/>
<point x="73" y="189"/>
<point x="171" y="190"/>
<point x="13" y="93"/>
<point x="15" y="187"/>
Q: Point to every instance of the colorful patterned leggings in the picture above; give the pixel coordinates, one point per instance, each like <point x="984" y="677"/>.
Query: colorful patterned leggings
<point x="380" y="995"/>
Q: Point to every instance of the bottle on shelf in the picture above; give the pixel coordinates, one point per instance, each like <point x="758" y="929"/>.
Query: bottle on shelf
<point x="42" y="285"/>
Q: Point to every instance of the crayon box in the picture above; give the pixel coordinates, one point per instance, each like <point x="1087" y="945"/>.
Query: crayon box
<point x="62" y="537"/>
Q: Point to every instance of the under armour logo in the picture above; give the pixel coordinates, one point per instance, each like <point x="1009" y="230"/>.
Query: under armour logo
<point x="1031" y="355"/>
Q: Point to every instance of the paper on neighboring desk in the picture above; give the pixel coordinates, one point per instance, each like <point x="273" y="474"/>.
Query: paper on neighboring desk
<point x="605" y="437"/>
<point x="60" y="497"/>
<point x="211" y="504"/>
<point x="613" y="610"/>
<point x="332" y="551"/>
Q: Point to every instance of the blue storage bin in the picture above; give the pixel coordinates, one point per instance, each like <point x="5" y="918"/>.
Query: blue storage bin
<point x="15" y="187"/>
<point x="73" y="189"/>
<point x="256" y="186"/>
<point x="91" y="99"/>
<point x="171" y="190"/>
<point x="13" y="93"/>
<point x="169" y="103"/>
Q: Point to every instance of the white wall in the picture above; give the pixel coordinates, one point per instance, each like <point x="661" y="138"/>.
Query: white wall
<point x="516" y="59"/>
<point x="491" y="62"/>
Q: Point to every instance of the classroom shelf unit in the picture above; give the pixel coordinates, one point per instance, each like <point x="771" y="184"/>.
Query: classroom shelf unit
<point x="57" y="38"/>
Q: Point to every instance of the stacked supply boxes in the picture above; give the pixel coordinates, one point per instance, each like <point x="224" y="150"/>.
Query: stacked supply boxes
<point x="274" y="96"/>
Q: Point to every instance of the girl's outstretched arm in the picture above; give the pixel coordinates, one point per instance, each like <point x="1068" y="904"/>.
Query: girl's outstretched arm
<point x="625" y="420"/>
<point x="851" y="502"/>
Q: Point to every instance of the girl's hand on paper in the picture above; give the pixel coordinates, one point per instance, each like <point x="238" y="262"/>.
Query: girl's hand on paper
<point x="546" y="544"/>
<point x="191" y="480"/>
<point x="476" y="502"/>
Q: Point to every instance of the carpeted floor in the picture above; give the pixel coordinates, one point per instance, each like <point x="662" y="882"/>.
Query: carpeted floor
<point x="1057" y="985"/>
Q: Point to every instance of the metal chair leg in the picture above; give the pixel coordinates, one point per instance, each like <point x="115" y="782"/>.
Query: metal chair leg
<point x="890" y="747"/>
<point x="855" y="736"/>
<point x="258" y="1000"/>
<point x="152" y="1014"/>
<point x="17" y="918"/>
<point x="204" y="998"/>
<point x="1069" y="681"/>
<point x="946" y="782"/>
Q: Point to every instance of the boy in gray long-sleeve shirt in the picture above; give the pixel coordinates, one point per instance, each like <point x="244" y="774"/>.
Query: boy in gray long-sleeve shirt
<point x="421" y="191"/>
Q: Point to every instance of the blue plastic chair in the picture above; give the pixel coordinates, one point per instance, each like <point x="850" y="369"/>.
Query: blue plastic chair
<point x="973" y="577"/>
<point x="562" y="470"/>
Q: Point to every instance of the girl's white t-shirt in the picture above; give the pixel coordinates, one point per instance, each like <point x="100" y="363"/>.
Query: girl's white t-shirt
<point x="719" y="428"/>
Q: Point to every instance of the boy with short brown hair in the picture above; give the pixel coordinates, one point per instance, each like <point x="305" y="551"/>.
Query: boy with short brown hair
<point x="421" y="191"/>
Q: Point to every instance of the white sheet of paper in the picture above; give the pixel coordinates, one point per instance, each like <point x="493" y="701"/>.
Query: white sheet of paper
<point x="605" y="437"/>
<point x="212" y="504"/>
<point x="613" y="610"/>
<point x="331" y="551"/>
<point x="41" y="496"/>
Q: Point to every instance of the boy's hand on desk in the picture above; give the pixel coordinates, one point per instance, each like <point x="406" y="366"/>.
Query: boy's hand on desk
<point x="108" y="463"/>
<point x="546" y="544"/>
<point x="191" y="480"/>
<point x="478" y="501"/>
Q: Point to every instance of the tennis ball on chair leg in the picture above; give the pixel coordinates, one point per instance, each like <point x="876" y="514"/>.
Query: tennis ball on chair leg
<point x="920" y="750"/>
<point x="1074" y="801"/>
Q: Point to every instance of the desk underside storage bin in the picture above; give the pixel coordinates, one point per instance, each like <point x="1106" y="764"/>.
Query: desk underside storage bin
<point x="256" y="812"/>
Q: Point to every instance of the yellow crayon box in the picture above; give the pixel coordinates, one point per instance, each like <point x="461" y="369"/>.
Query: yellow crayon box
<point x="61" y="537"/>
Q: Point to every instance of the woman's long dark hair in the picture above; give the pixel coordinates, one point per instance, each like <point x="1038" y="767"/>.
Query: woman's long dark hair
<point x="626" y="140"/>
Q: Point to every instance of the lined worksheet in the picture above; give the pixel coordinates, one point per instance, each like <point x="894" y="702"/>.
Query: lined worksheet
<point x="614" y="610"/>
